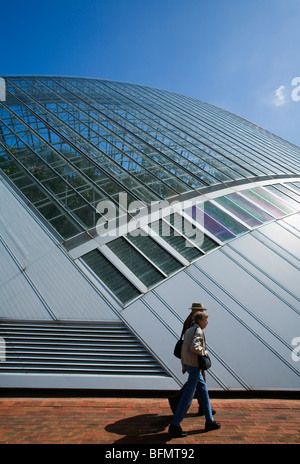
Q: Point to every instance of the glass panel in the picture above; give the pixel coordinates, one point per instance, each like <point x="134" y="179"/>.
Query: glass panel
<point x="238" y="211"/>
<point x="224" y="219"/>
<point x="201" y="240"/>
<point x="286" y="194"/>
<point x="214" y="227"/>
<point x="124" y="290"/>
<point x="139" y="265"/>
<point x="87" y="216"/>
<point x="208" y="244"/>
<point x="158" y="255"/>
<point x="249" y="207"/>
<point x="65" y="227"/>
<point x="295" y="186"/>
<point x="272" y="210"/>
<point x="34" y="192"/>
<point x="177" y="241"/>
<point x="274" y="200"/>
<point x="291" y="190"/>
<point x="50" y="210"/>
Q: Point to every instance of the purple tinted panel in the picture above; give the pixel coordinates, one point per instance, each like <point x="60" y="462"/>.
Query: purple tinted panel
<point x="210" y="224"/>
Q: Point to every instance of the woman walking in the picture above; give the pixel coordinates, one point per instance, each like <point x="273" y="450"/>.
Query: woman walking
<point x="193" y="345"/>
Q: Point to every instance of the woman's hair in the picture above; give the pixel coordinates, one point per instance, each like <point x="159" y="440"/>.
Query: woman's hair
<point x="200" y="316"/>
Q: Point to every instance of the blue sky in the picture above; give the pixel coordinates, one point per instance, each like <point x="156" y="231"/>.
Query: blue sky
<point x="241" y="55"/>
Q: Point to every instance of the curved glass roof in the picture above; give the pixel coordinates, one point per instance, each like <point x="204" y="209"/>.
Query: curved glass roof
<point x="69" y="143"/>
<point x="72" y="144"/>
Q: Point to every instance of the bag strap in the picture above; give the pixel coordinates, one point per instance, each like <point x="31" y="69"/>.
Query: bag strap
<point x="181" y="336"/>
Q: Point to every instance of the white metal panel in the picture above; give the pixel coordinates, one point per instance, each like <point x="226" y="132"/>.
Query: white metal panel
<point x="282" y="238"/>
<point x="247" y="346"/>
<point x="268" y="262"/>
<point x="66" y="291"/>
<point x="99" y="382"/>
<point x="180" y="292"/>
<point x="256" y="305"/>
<point x="161" y="337"/>
<point x="154" y="335"/>
<point x="265" y="280"/>
<point x="293" y="221"/>
<point x="17" y="297"/>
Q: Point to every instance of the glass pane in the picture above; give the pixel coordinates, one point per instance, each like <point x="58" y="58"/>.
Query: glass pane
<point x="284" y="193"/>
<point x="177" y="241"/>
<point x="274" y="200"/>
<point x="290" y="190"/>
<point x="34" y="193"/>
<point x="208" y="244"/>
<point x="50" y="210"/>
<point x="65" y="227"/>
<point x="295" y="186"/>
<point x="200" y="239"/>
<point x="167" y="263"/>
<point x="249" y="207"/>
<point x="139" y="265"/>
<point x="124" y="290"/>
<point x="214" y="227"/>
<point x="87" y="216"/>
<point x="224" y="219"/>
<point x="238" y="211"/>
<point x="270" y="207"/>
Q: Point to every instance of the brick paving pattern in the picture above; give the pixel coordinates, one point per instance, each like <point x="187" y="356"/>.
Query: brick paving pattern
<point x="144" y="421"/>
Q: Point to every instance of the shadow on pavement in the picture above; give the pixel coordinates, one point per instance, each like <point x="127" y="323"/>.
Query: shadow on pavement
<point x="145" y="428"/>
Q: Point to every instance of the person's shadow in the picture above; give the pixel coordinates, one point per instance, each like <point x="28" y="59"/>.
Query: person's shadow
<point x="145" y="428"/>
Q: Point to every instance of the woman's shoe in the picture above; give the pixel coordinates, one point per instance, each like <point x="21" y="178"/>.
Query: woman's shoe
<point x="212" y="426"/>
<point x="176" y="431"/>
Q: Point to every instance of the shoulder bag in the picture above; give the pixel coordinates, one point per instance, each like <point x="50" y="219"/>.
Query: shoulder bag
<point x="178" y="346"/>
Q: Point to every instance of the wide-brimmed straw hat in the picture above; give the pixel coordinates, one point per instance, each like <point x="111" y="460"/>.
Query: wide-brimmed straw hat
<point x="198" y="307"/>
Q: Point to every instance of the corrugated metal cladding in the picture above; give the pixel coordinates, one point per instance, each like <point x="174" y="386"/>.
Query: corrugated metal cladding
<point x="79" y="352"/>
<point x="79" y="310"/>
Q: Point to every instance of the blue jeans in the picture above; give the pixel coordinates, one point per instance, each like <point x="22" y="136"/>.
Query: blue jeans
<point x="195" y="383"/>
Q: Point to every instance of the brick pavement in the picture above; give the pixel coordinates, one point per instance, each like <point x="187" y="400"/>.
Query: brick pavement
<point x="144" y="421"/>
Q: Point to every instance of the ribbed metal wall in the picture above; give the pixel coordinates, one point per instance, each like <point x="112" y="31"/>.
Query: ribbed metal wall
<point x="74" y="349"/>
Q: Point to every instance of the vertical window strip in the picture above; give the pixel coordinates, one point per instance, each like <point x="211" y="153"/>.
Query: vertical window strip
<point x="113" y="279"/>
<point x="155" y="253"/>
<point x="175" y="240"/>
<point x="138" y="264"/>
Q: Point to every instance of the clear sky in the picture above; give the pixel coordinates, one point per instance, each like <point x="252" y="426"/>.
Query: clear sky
<point x="241" y="55"/>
